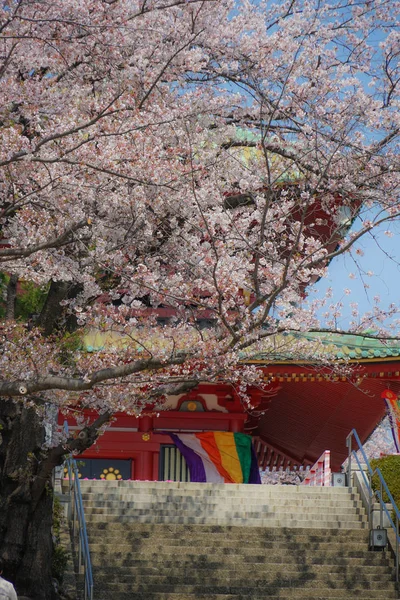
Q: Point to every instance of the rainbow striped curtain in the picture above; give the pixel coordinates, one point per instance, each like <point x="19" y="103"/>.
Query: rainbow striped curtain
<point x="219" y="457"/>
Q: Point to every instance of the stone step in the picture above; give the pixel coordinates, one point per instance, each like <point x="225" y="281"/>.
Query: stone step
<point x="380" y="567"/>
<point x="153" y="548"/>
<point x="229" y="491"/>
<point x="116" y="508"/>
<point x="159" y="553"/>
<point x="311" y="522"/>
<point x="99" y="543"/>
<point x="200" y="534"/>
<point x="296" y="501"/>
<point x="147" y="487"/>
<point x="132" y="560"/>
<point x="120" y="506"/>
<point x="274" y="492"/>
<point x="177" y="484"/>
<point x="227" y="593"/>
<point x="306" y="584"/>
<point x="154" y="500"/>
<point x="175" y="530"/>
<point x="320" y="595"/>
<point x="367" y="574"/>
<point x="270" y="594"/>
<point x="184" y="486"/>
<point x="262" y="512"/>
<point x="219" y="560"/>
<point x="115" y="539"/>
<point x="217" y="498"/>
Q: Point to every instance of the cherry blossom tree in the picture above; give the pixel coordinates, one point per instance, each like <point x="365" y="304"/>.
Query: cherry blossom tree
<point x="200" y="161"/>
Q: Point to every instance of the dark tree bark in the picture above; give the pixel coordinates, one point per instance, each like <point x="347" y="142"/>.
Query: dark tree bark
<point x="26" y="496"/>
<point x="25" y="526"/>
<point x="53" y="315"/>
<point x="11" y="298"/>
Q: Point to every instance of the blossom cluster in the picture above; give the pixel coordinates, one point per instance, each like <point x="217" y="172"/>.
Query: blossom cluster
<point x="189" y="170"/>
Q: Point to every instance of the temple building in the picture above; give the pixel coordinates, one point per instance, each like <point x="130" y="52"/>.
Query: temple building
<point x="303" y="410"/>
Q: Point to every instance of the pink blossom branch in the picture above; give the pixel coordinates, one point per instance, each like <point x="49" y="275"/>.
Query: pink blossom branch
<point x="80" y="384"/>
<point x="7" y="254"/>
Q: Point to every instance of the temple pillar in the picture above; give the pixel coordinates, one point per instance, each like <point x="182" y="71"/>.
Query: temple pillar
<point x="145" y="423"/>
<point x="236" y="425"/>
<point x="147" y="466"/>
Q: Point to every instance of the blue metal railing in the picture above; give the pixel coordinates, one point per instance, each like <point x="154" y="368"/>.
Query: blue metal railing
<point x="77" y="518"/>
<point x="374" y="494"/>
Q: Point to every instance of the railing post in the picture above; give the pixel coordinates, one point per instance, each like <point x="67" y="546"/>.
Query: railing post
<point x="73" y="508"/>
<point x="78" y="526"/>
<point x="79" y="551"/>
<point x="327" y="469"/>
<point x="397" y="550"/>
<point x="370" y="501"/>
<point x="348" y="444"/>
<point x="320" y="470"/>
<point x="313" y="477"/>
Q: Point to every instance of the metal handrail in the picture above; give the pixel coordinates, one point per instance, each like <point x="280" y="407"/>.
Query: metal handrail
<point x="77" y="517"/>
<point x="374" y="494"/>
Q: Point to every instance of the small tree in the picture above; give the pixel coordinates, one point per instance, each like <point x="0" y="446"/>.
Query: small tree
<point x="204" y="157"/>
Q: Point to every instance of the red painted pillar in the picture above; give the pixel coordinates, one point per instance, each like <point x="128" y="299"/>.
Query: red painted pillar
<point x="147" y="466"/>
<point x="236" y="425"/>
<point x="145" y="423"/>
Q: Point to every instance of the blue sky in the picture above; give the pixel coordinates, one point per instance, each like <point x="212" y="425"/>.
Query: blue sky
<point x="382" y="257"/>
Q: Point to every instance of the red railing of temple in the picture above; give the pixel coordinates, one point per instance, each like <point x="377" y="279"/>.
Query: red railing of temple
<point x="271" y="458"/>
<point x="320" y="473"/>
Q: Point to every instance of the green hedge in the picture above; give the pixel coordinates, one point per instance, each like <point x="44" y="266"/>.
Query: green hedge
<point x="390" y="469"/>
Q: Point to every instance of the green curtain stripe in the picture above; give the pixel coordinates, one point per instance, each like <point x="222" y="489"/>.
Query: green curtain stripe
<point x="243" y="448"/>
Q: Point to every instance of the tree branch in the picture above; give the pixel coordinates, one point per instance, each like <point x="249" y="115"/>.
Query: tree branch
<point x="80" y="384"/>
<point x="7" y="254"/>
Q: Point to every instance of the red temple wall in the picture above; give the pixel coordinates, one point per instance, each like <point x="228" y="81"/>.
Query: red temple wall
<point x="139" y="439"/>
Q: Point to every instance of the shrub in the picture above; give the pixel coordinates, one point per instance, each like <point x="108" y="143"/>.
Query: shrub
<point x="390" y="469"/>
<point x="59" y="563"/>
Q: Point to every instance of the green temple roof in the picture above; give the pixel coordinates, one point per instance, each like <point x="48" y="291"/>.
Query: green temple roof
<point x="346" y="347"/>
<point x="359" y="346"/>
<point x="290" y="347"/>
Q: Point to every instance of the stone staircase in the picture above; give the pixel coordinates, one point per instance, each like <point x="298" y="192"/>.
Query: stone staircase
<point x="187" y="541"/>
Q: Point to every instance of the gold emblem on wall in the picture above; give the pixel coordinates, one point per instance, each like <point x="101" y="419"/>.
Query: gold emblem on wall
<point x="110" y="474"/>
<point x="66" y="475"/>
<point x="192" y="406"/>
<point x="146" y="437"/>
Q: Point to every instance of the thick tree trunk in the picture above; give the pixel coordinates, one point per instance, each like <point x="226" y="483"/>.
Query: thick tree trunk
<point x="26" y="496"/>
<point x="52" y="311"/>
<point x="25" y="512"/>
<point x="11" y="298"/>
